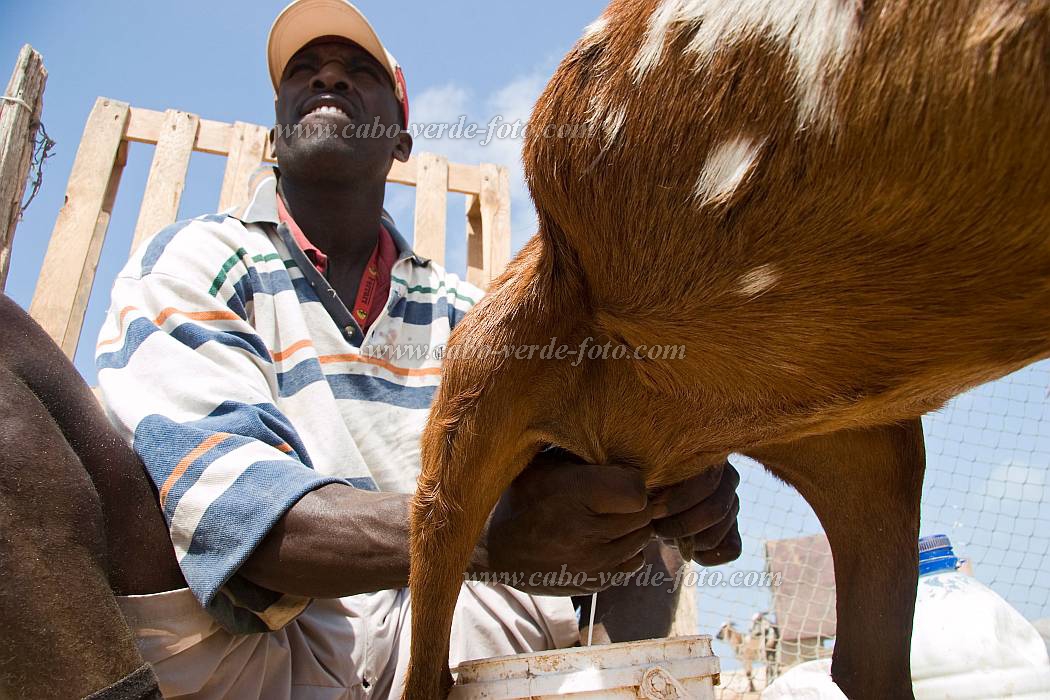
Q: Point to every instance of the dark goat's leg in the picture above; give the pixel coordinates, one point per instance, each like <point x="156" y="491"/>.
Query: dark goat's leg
<point x="865" y="487"/>
<point x="63" y="634"/>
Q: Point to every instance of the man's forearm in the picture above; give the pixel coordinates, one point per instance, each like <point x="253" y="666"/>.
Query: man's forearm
<point x="338" y="541"/>
<point x="334" y="542"/>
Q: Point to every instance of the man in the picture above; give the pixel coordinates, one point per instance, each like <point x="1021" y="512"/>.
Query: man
<point x="240" y="361"/>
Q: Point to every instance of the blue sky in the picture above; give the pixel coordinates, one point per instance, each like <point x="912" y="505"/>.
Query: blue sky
<point x="989" y="451"/>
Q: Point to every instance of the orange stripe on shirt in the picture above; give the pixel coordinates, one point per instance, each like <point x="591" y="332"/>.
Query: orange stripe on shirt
<point x="195" y="454"/>
<point x="401" y="371"/>
<point x="285" y="447"/>
<point x="292" y="349"/>
<point x="196" y="315"/>
<point x="120" y="326"/>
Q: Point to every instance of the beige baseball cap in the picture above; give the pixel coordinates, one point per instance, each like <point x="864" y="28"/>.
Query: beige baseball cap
<point x="305" y="20"/>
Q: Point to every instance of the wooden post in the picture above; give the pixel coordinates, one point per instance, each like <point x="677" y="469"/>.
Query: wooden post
<point x="488" y="226"/>
<point x="68" y="272"/>
<point x="18" y="127"/>
<point x="476" y="274"/>
<point x="247" y="149"/>
<point x="431" y="206"/>
<point x="495" y="218"/>
<point x="167" y="175"/>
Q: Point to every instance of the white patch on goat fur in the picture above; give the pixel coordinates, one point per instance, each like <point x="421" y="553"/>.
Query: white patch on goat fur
<point x="757" y="281"/>
<point x="614" y="121"/>
<point x="596" y="28"/>
<point x="727" y="168"/>
<point x="653" y="47"/>
<point x="819" y="34"/>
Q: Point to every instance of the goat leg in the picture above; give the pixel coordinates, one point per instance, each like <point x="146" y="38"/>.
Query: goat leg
<point x="865" y="487"/>
<point x="473" y="448"/>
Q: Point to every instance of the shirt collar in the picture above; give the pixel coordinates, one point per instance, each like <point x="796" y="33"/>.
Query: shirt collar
<point x="262" y="209"/>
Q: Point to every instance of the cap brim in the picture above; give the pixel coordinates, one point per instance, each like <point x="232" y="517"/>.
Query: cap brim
<point x="306" y="20"/>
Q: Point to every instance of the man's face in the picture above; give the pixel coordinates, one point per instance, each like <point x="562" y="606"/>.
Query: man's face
<point x="329" y="92"/>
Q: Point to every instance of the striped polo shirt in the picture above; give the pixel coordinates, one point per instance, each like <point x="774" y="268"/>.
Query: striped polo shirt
<point x="242" y="390"/>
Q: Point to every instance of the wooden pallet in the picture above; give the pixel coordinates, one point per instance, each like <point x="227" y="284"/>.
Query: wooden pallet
<point x="64" y="286"/>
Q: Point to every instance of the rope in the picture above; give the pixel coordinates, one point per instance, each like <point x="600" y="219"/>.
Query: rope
<point x="42" y="145"/>
<point x="8" y="98"/>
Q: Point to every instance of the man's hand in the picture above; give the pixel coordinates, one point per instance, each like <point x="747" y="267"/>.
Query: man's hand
<point x="563" y="528"/>
<point x="700" y="514"/>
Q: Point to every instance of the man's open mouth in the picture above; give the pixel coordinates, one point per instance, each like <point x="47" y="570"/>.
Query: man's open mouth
<point x="326" y="106"/>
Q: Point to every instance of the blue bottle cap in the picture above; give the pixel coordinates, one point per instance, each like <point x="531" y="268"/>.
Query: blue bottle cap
<point x="936" y="555"/>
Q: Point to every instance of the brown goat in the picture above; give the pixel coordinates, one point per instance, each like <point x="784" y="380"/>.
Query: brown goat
<point x="839" y="207"/>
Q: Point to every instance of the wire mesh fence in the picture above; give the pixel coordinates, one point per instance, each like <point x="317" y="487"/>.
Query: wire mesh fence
<point x="987" y="487"/>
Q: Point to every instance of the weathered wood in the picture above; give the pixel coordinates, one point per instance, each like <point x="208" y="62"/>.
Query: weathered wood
<point x="495" y="219"/>
<point x="464" y="179"/>
<point x="18" y="127"/>
<point x="65" y="282"/>
<point x="167" y="175"/>
<point x="488" y="226"/>
<point x="247" y="149"/>
<point x="69" y="266"/>
<point x="476" y="274"/>
<point x="216" y="138"/>
<point x="145" y="126"/>
<point x="431" y="206"/>
<point x="94" y="253"/>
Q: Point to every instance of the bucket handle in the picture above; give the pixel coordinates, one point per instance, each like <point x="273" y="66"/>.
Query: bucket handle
<point x="658" y="684"/>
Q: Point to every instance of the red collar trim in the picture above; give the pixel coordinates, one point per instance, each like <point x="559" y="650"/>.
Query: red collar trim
<point x="317" y="257"/>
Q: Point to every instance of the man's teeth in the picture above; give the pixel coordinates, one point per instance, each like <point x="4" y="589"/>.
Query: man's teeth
<point x="328" y="109"/>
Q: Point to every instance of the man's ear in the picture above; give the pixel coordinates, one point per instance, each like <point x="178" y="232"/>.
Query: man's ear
<point x="403" y="146"/>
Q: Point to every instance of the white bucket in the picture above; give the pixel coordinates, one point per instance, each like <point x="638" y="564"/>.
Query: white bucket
<point x="682" y="668"/>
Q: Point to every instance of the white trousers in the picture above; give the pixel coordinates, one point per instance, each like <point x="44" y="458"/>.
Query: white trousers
<point x="352" y="648"/>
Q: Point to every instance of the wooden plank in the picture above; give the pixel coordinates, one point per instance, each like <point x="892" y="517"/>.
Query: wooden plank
<point x="217" y="137"/>
<point x="72" y="254"/>
<point x="146" y="125"/>
<point x="167" y="175"/>
<point x="18" y="127"/>
<point x="475" y="243"/>
<point x="79" y="308"/>
<point x="247" y="148"/>
<point x="403" y="173"/>
<point x="495" y="219"/>
<point x="464" y="179"/>
<point x="431" y="206"/>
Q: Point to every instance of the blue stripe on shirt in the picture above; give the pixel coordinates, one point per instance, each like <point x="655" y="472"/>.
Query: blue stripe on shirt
<point x="235" y="522"/>
<point x="189" y="334"/>
<point x="166" y="442"/>
<point x="159" y="242"/>
<point x="272" y="283"/>
<point x="420" y="313"/>
<point x="194" y="336"/>
<point x="193" y="472"/>
<point x="138" y="330"/>
<point x="357" y="387"/>
<point x="364" y="388"/>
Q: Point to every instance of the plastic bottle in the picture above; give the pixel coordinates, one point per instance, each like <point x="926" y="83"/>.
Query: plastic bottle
<point x="967" y="641"/>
